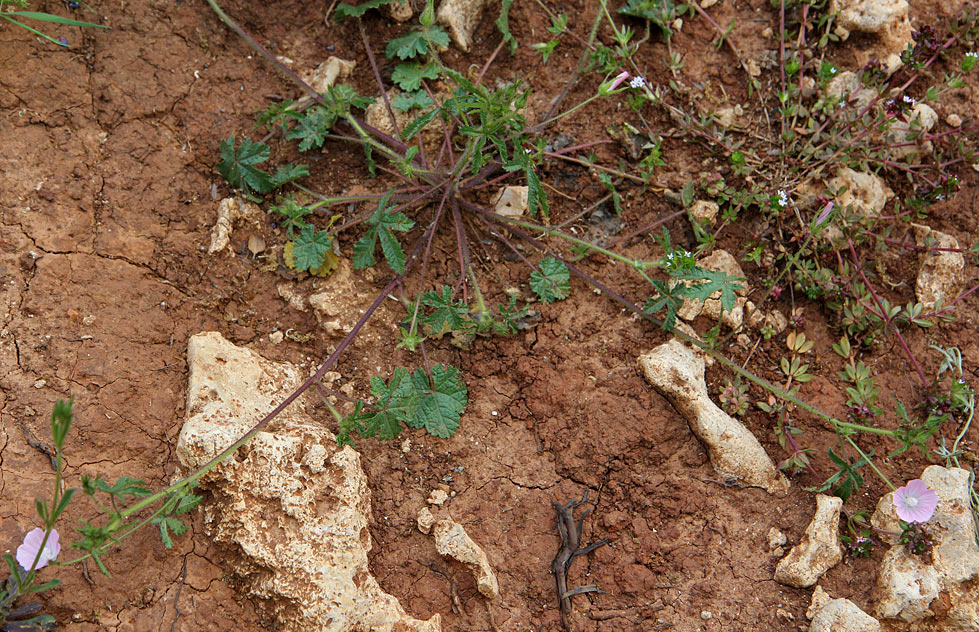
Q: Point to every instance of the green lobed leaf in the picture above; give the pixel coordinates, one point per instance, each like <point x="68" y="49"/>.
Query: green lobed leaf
<point x="503" y="25"/>
<point x="237" y="166"/>
<point x="345" y="11"/>
<point x="310" y="248"/>
<point x="440" y="401"/>
<point x="405" y="101"/>
<point x="552" y="282"/>
<point x="419" y="123"/>
<point x="415" y="43"/>
<point x="409" y="76"/>
<point x="287" y="173"/>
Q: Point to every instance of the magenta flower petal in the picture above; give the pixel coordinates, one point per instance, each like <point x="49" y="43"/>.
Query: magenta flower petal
<point x="915" y="502"/>
<point x="619" y="79"/>
<point x="27" y="551"/>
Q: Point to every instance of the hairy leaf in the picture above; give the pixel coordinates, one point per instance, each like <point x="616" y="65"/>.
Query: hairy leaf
<point x="408" y="100"/>
<point x="415" y="43"/>
<point x="237" y="166"/>
<point x="440" y="402"/>
<point x="344" y="11"/>
<point x="409" y="76"/>
<point x="552" y="282"/>
<point x="310" y="248"/>
<point x="382" y="227"/>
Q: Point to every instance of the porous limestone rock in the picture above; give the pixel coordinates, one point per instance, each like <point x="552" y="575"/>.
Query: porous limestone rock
<point x="425" y="520"/>
<point x="327" y="73"/>
<point x="231" y="211"/>
<point x="718" y="261"/>
<point x="677" y="372"/>
<point x="888" y="19"/>
<point x="338" y="300"/>
<point x="819" y="549"/>
<point x="512" y="201"/>
<point x="452" y="540"/>
<point x="908" y="584"/>
<point x="378" y="117"/>
<point x="399" y="10"/>
<point x="294" y="504"/>
<point x="461" y="17"/>
<point x="838" y="615"/>
<point x="940" y="271"/>
<point x="846" y="86"/>
<point x="903" y="137"/>
<point x="776" y="539"/>
<point x="704" y="212"/>
<point x="866" y="193"/>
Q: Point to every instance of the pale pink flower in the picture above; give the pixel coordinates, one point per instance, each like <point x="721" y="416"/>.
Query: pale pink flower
<point x="27" y="551"/>
<point x="619" y="79"/>
<point x="915" y="502"/>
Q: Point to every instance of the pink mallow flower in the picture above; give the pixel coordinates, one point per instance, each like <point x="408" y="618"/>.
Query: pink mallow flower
<point x="619" y="79"/>
<point x="27" y="551"/>
<point x="915" y="502"/>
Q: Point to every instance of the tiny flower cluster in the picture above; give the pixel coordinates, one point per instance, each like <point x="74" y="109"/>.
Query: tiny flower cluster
<point x="909" y="100"/>
<point x="637" y="82"/>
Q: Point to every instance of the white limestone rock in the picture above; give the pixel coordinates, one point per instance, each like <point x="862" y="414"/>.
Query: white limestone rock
<point x="232" y="211"/>
<point x="293" y="503"/>
<point x="921" y="119"/>
<point x="460" y="18"/>
<point x="887" y="19"/>
<point x="328" y="73"/>
<point x="908" y="585"/>
<point x="452" y="540"/>
<point x="819" y="549"/>
<point x="940" y="271"/>
<point x="677" y="372"/>
<point x="838" y="615"/>
<point x="704" y="212"/>
<point x="511" y="201"/>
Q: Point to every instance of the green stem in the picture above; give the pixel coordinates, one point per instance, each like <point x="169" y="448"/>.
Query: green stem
<point x="869" y="462"/>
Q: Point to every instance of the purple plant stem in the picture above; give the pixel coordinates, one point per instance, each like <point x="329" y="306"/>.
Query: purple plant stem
<point x="885" y="316"/>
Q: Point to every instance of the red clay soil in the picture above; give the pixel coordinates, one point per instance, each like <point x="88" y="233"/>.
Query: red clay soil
<point x="107" y="154"/>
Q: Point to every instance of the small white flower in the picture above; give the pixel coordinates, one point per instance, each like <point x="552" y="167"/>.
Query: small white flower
<point x="637" y="82"/>
<point x="909" y="100"/>
<point x="669" y="257"/>
<point x="972" y="54"/>
<point x="833" y="70"/>
<point x="783" y="198"/>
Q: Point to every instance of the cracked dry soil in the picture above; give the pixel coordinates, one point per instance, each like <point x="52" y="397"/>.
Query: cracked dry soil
<point x="106" y="168"/>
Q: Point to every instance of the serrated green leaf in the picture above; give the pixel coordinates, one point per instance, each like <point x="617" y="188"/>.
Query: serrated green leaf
<point x="287" y="173"/>
<point x="310" y="248"/>
<point x="237" y="166"/>
<point x="345" y="11"/>
<point x="440" y="402"/>
<point x="446" y="315"/>
<point x="382" y="224"/>
<point x="419" y="123"/>
<point x="415" y="43"/>
<point x="312" y="127"/>
<point x="713" y="281"/>
<point x="405" y="101"/>
<point x="552" y="282"/>
<point x="503" y="25"/>
<point x="409" y="76"/>
<point x="168" y="524"/>
<point x="394" y="254"/>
